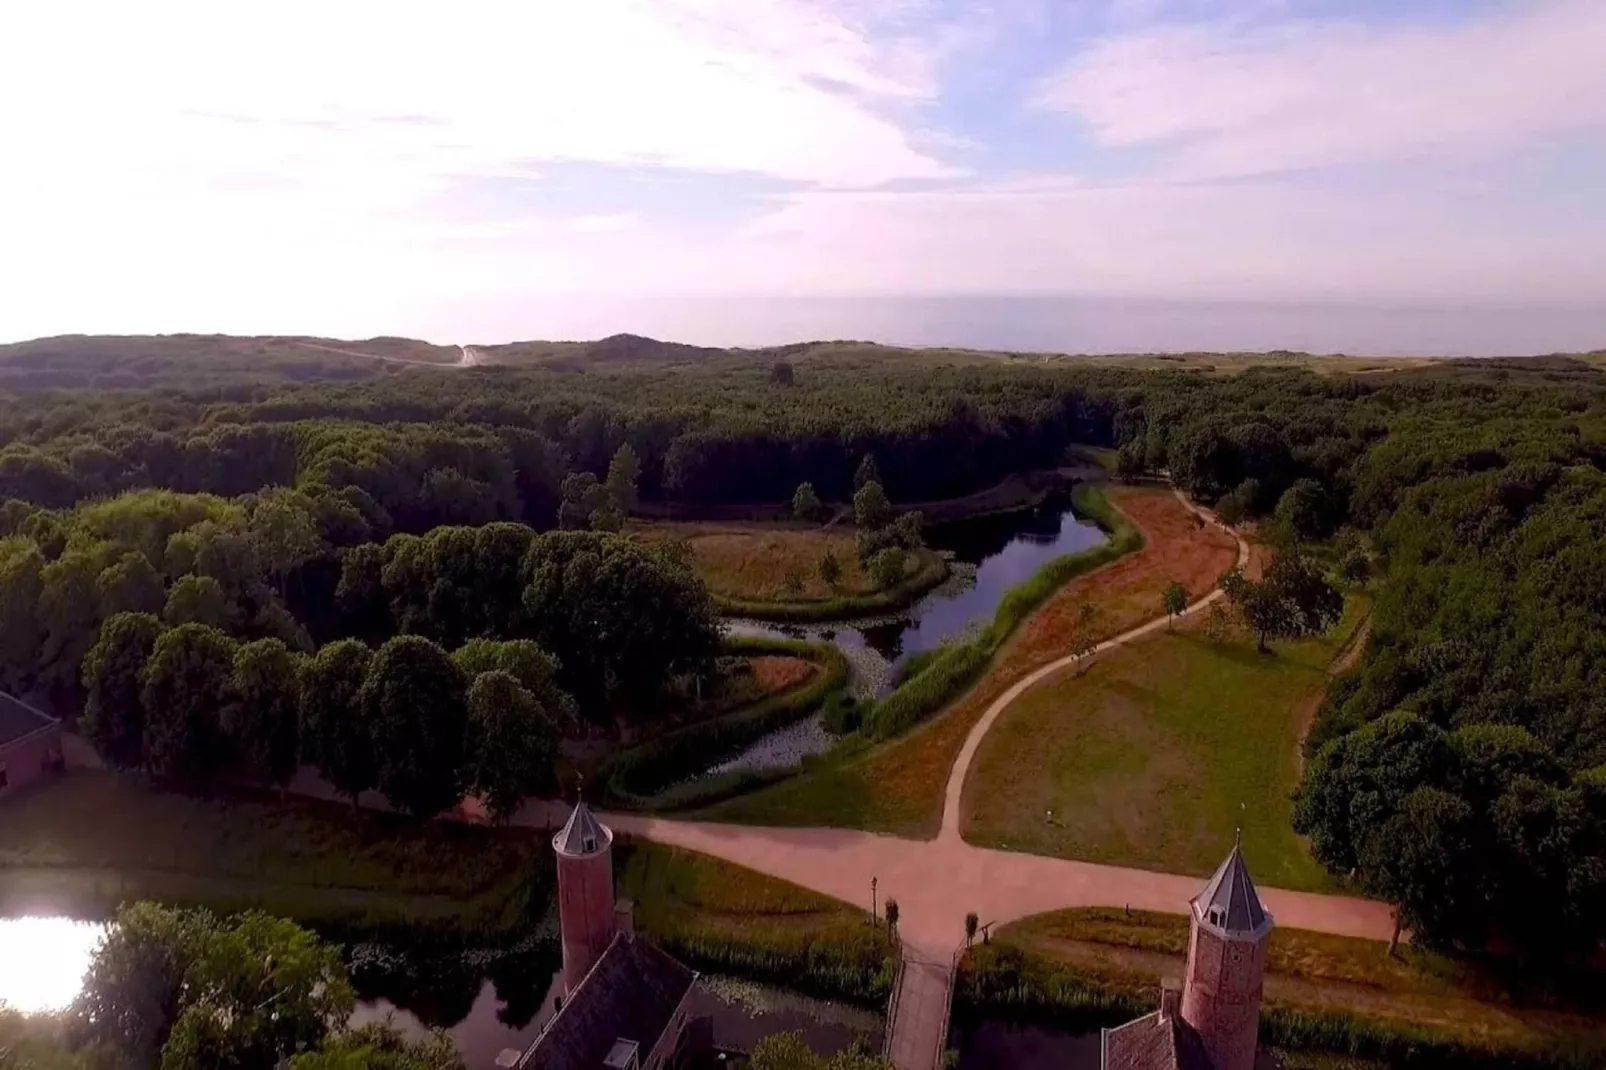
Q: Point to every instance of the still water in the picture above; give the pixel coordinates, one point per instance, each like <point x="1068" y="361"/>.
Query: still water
<point x="987" y="1045"/>
<point x="990" y="554"/>
<point x="994" y="553"/>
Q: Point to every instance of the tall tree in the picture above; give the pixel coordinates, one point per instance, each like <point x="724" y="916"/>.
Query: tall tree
<point x="114" y="712"/>
<point x="415" y="703"/>
<point x="805" y="503"/>
<point x="871" y="510"/>
<point x="380" y="1047"/>
<point x="335" y="732"/>
<point x="535" y="670"/>
<point x="263" y="715"/>
<point x="624" y="471"/>
<point x="284" y="525"/>
<point x="131" y="991"/>
<point x="197" y="600"/>
<point x="1174" y="599"/>
<point x="69" y="609"/>
<point x="512" y="741"/>
<point x="1304" y="509"/>
<point x="1292" y="600"/>
<point x="867" y="472"/>
<point x="258" y="990"/>
<point x="580" y="496"/>
<point x="130" y="584"/>
<point x="21" y="583"/>
<point x="185" y="691"/>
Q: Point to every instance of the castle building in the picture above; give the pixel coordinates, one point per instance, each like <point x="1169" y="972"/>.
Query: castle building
<point x="625" y="1002"/>
<point x="1213" y="1021"/>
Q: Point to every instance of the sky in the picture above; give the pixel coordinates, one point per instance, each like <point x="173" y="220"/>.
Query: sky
<point x="493" y="169"/>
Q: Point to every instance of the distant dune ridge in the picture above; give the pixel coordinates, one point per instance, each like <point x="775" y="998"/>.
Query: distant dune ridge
<point x="126" y="362"/>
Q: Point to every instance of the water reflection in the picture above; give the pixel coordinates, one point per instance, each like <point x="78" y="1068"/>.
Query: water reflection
<point x="1001" y="551"/>
<point x="988" y="1045"/>
<point x="43" y="961"/>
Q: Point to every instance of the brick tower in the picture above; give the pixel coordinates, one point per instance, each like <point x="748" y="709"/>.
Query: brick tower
<point x="585" y="893"/>
<point x="1226" y="962"/>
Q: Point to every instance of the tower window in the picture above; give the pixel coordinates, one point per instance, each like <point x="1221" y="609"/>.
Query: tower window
<point x="1217" y="916"/>
<point x="588" y="844"/>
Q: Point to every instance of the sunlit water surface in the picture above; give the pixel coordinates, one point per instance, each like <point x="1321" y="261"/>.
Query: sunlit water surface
<point x="43" y="961"/>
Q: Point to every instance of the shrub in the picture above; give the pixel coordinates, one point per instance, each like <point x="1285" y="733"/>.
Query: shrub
<point x="951" y="671"/>
<point x="648" y="777"/>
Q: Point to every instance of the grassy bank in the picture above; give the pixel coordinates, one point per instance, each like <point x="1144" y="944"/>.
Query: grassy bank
<point x="1156" y="753"/>
<point x="929" y="570"/>
<point x="91" y="840"/>
<point x="772" y="571"/>
<point x="897" y="787"/>
<point x="653" y="775"/>
<point x="959" y="665"/>
<point x="1004" y="980"/>
<point x="720" y="917"/>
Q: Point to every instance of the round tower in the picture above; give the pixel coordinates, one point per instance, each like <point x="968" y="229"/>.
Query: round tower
<point x="584" y="848"/>
<point x="1226" y="964"/>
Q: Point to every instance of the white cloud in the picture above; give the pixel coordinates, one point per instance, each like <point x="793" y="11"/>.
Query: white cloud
<point x="392" y="96"/>
<point x="1227" y="100"/>
<point x="604" y="223"/>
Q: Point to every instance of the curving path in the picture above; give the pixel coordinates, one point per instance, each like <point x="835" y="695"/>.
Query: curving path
<point x="951" y="811"/>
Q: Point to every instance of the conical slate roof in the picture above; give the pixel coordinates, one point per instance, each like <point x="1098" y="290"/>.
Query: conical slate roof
<point x="582" y="834"/>
<point x="1230" y="901"/>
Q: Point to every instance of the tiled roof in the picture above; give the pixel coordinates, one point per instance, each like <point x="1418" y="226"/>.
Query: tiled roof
<point x="1154" y="1042"/>
<point x="1230" y="901"/>
<point x="583" y="834"/>
<point x="18" y="719"/>
<point x="630" y="995"/>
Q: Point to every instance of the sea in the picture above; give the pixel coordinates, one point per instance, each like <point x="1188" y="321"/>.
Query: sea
<point x="1052" y="324"/>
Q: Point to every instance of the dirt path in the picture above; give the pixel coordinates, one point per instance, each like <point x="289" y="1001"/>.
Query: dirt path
<point x="468" y="356"/>
<point x="936" y="882"/>
<point x="967" y="754"/>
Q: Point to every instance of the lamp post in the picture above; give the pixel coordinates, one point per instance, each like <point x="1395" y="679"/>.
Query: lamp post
<point x="875" y="918"/>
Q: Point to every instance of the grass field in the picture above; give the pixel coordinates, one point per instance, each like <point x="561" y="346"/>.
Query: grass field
<point x="1155" y="754"/>
<point x="757" y="569"/>
<point x="720" y="916"/>
<point x="91" y="840"/>
<point x="897" y="787"/>
<point x="1317" y="972"/>
<point x="752" y="561"/>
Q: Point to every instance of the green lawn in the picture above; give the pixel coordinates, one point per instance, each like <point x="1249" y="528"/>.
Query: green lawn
<point x="722" y="917"/>
<point x="1155" y="755"/>
<point x="90" y="841"/>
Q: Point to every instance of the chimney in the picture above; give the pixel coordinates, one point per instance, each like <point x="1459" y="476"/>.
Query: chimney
<point x="1170" y="999"/>
<point x="624" y="917"/>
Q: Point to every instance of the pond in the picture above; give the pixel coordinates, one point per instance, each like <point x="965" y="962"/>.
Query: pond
<point x="485" y="1009"/>
<point x="990" y="1045"/>
<point x="994" y="553"/>
<point x="991" y="554"/>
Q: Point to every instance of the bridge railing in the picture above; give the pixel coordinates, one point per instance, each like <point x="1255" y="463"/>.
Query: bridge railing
<point x="892" y="1006"/>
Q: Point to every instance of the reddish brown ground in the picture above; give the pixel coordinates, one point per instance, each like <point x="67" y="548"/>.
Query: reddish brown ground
<point x="773" y="674"/>
<point x="899" y="787"/>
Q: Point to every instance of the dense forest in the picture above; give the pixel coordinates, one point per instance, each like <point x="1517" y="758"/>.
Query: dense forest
<point x="1459" y="769"/>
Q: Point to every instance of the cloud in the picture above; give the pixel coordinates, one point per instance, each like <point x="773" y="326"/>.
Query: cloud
<point x="399" y="95"/>
<point x="1245" y="241"/>
<point x="604" y="223"/>
<point x="1224" y="98"/>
